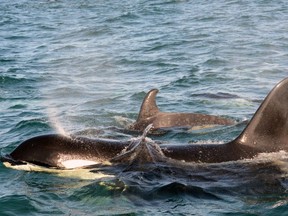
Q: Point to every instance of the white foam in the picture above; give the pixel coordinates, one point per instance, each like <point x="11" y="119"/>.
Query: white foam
<point x="279" y="159"/>
<point x="68" y="173"/>
<point x="123" y="121"/>
<point x="204" y="142"/>
<point x="273" y="156"/>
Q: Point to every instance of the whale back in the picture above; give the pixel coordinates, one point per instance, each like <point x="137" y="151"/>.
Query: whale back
<point x="150" y="113"/>
<point x="268" y="129"/>
<point x="266" y="132"/>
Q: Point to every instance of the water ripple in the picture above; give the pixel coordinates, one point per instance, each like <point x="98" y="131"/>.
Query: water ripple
<point x="92" y="61"/>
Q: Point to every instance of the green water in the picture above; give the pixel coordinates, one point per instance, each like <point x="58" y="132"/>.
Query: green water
<point x="84" y="66"/>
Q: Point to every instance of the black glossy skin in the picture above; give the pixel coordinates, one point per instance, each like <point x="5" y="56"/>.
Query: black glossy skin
<point x="266" y="132"/>
<point x="46" y="150"/>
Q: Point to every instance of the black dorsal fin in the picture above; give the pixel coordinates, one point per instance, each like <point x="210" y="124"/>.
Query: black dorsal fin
<point x="149" y="107"/>
<point x="268" y="129"/>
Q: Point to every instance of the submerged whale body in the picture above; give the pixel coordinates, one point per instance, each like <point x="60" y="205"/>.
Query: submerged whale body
<point x="150" y="114"/>
<point x="266" y="132"/>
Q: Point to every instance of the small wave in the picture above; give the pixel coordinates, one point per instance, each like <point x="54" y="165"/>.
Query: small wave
<point x="216" y="62"/>
<point x="6" y="60"/>
<point x="123" y="121"/>
<point x="272" y="156"/>
<point x="183" y="82"/>
<point x="280" y="159"/>
<point x="18" y="107"/>
<point x="19" y="203"/>
<point x="17" y="37"/>
<point x="176" y="188"/>
<point x="138" y="95"/>
<point x="31" y="126"/>
<point x="127" y="16"/>
<point x="218" y="95"/>
<point x="14" y="80"/>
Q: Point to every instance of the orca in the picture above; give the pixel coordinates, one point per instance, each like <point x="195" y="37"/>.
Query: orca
<point x="150" y="114"/>
<point x="266" y="132"/>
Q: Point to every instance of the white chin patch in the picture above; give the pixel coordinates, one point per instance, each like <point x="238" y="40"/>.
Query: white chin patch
<point x="71" y="164"/>
<point x="68" y="173"/>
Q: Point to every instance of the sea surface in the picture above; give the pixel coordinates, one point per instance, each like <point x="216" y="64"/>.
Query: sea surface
<point x="83" y="67"/>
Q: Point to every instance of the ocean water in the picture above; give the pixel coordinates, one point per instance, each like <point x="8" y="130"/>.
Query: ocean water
<point x="83" y="66"/>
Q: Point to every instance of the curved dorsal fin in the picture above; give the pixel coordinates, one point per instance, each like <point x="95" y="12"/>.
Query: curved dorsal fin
<point x="268" y="129"/>
<point x="149" y="107"/>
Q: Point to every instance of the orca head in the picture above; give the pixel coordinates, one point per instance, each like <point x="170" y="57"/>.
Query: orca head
<point x="54" y="151"/>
